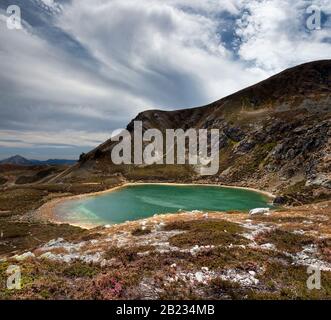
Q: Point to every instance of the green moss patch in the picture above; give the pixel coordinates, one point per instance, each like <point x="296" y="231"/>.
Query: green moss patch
<point x="126" y="255"/>
<point x="223" y="289"/>
<point x="20" y="200"/>
<point x="275" y="219"/>
<point x="202" y="233"/>
<point x="19" y="236"/>
<point x="290" y="282"/>
<point x="80" y="270"/>
<point x="235" y="258"/>
<point x="285" y="240"/>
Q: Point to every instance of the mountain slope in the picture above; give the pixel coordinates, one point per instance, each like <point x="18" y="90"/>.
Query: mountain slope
<point x="275" y="136"/>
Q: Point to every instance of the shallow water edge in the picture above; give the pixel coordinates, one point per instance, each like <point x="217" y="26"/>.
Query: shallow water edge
<point x="48" y="211"/>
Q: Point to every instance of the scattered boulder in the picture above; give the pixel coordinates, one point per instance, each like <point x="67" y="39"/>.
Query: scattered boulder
<point x="24" y="256"/>
<point x="245" y="279"/>
<point x="223" y="141"/>
<point x="259" y="211"/>
<point x="234" y="134"/>
<point x="48" y="256"/>
<point x="245" y="146"/>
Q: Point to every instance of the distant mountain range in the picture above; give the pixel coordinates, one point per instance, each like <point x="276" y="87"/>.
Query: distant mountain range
<point x="19" y="160"/>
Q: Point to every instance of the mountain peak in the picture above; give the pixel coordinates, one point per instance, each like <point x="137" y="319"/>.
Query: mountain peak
<point x="17" y="159"/>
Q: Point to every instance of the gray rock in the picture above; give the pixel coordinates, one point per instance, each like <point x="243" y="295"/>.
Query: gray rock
<point x="259" y="211"/>
<point x="234" y="134"/>
<point x="320" y="180"/>
<point x="24" y="256"/>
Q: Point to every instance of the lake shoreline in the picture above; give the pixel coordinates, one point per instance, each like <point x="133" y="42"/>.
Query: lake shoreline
<point x="47" y="211"/>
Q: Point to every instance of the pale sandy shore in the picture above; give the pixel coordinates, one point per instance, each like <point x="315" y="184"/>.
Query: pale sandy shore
<point x="47" y="211"/>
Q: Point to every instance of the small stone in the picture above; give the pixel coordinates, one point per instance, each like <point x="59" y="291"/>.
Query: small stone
<point x="268" y="246"/>
<point x="48" y="256"/>
<point x="143" y="254"/>
<point x="161" y="225"/>
<point x="259" y="211"/>
<point x="54" y="242"/>
<point x="199" y="276"/>
<point x="24" y="256"/>
<point x="299" y="232"/>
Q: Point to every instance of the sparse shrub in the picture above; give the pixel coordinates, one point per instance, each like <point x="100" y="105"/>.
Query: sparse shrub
<point x="210" y="232"/>
<point x="90" y="236"/>
<point x="126" y="255"/>
<point x="290" y="282"/>
<point x="106" y="286"/>
<point x="324" y="246"/>
<point x="224" y="289"/>
<point x="2" y="181"/>
<point x="80" y="270"/>
<point x="285" y="240"/>
<point x="140" y="232"/>
<point x="178" y="290"/>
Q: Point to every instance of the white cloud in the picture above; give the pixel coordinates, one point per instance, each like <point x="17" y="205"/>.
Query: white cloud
<point x="44" y="72"/>
<point x="274" y="34"/>
<point x="143" y="42"/>
<point x="55" y="139"/>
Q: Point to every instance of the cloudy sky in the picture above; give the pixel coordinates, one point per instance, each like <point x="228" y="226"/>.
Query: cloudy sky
<point x="79" y="69"/>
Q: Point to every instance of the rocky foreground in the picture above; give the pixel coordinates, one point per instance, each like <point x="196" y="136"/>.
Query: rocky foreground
<point x="192" y="255"/>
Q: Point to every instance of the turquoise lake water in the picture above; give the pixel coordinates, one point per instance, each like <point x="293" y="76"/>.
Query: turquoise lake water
<point x="142" y="201"/>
